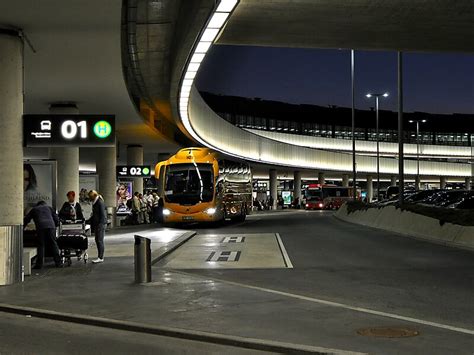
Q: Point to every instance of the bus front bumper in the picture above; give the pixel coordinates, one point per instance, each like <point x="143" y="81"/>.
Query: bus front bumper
<point x="176" y="217"/>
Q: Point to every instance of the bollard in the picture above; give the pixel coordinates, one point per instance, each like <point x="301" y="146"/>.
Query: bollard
<point x="142" y="259"/>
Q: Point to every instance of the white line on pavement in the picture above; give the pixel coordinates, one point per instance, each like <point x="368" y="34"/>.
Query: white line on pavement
<point x="339" y="305"/>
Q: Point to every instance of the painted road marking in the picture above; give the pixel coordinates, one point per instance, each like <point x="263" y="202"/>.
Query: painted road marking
<point x="224" y="256"/>
<point x="252" y="251"/>
<point x="341" y="305"/>
<point x="233" y="240"/>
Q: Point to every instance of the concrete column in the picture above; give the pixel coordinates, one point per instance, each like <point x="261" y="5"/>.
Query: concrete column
<point x="106" y="164"/>
<point x="297" y="185"/>
<point x="11" y="157"/>
<point x="345" y="180"/>
<point x="370" y="188"/>
<point x="273" y="188"/>
<point x="67" y="158"/>
<point x="393" y="180"/>
<point x="321" y="178"/>
<point x="417" y="182"/>
<point x="468" y="183"/>
<point x="442" y="182"/>
<point x="135" y="157"/>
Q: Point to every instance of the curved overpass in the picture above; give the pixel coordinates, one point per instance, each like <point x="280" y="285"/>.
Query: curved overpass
<point x="173" y="43"/>
<point x="211" y="130"/>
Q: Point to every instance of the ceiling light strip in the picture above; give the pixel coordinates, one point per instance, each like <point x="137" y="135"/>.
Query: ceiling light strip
<point x="217" y="20"/>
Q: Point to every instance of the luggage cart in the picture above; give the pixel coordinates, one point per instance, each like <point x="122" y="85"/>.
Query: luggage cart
<point x="72" y="241"/>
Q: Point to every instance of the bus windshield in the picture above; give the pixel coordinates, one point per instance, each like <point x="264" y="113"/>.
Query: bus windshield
<point x="313" y="195"/>
<point x="188" y="184"/>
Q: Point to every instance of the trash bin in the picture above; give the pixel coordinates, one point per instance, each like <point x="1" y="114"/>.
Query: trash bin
<point x="142" y="259"/>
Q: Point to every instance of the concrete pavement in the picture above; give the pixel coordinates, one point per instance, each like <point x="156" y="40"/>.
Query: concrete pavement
<point x="344" y="278"/>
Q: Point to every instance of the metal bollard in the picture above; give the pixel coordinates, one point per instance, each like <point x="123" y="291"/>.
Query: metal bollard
<point x="142" y="259"/>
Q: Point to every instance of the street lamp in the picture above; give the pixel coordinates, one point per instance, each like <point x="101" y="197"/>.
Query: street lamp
<point x="376" y="96"/>
<point x="417" y="121"/>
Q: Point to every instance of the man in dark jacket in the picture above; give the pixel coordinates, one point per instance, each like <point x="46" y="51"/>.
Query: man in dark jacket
<point x="98" y="222"/>
<point x="46" y="220"/>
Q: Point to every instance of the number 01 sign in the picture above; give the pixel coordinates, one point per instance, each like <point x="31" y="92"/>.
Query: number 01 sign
<point x="68" y="130"/>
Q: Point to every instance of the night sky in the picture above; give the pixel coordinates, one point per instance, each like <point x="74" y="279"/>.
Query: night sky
<point x="434" y="82"/>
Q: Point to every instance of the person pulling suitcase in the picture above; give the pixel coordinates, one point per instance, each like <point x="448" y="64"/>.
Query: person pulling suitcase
<point x="46" y="220"/>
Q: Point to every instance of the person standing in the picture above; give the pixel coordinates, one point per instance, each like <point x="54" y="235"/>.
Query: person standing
<point x="156" y="207"/>
<point x="71" y="210"/>
<point x="98" y="222"/>
<point x="143" y="209"/>
<point x="46" y="220"/>
<point x="136" y="208"/>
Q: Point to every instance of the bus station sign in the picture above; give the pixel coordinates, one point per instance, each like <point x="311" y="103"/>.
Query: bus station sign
<point x="68" y="130"/>
<point x="133" y="171"/>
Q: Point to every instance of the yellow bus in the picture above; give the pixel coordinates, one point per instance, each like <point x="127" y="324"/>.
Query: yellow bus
<point x="201" y="185"/>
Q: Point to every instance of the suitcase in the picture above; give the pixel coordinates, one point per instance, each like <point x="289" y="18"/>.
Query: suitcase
<point x="76" y="241"/>
<point x="73" y="241"/>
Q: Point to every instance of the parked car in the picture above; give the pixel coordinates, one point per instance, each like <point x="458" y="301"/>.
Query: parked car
<point x="445" y="198"/>
<point x="467" y="203"/>
<point x="421" y="195"/>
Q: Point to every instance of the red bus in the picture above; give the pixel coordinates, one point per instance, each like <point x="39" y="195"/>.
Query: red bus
<point x="319" y="197"/>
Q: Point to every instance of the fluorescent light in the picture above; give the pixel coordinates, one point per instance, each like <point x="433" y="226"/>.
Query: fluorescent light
<point x="218" y="20"/>
<point x="203" y="47"/>
<point x="197" y="58"/>
<point x="187" y="82"/>
<point x="186" y="88"/>
<point x="226" y="5"/>
<point x="190" y="75"/>
<point x="209" y="35"/>
<point x="193" y="66"/>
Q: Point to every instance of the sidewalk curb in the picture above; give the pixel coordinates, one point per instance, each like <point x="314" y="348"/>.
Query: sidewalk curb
<point x="214" y="338"/>
<point x="164" y="251"/>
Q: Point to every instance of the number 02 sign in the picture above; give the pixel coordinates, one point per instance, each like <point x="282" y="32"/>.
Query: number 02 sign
<point x="68" y="130"/>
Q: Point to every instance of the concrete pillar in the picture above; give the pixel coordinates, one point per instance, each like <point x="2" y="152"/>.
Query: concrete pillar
<point x="442" y="182"/>
<point x="393" y="180"/>
<point x="345" y="180"/>
<point x="417" y="182"/>
<point x="321" y="178"/>
<point x="67" y="159"/>
<point x="297" y="185"/>
<point x="106" y="166"/>
<point x="370" y="188"/>
<point x="468" y="183"/>
<point x="11" y="157"/>
<point x="135" y="157"/>
<point x="273" y="188"/>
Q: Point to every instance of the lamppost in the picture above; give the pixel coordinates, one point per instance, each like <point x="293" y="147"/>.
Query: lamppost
<point x="417" y="121"/>
<point x="376" y="96"/>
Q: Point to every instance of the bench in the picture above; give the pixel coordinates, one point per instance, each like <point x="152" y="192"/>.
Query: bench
<point x="28" y="254"/>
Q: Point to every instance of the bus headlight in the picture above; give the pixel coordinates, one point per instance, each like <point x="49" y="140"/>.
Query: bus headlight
<point x="166" y="212"/>
<point x="211" y="211"/>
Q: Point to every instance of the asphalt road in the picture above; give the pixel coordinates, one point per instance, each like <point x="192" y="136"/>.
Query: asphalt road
<point x="360" y="266"/>
<point x="30" y="335"/>
<point x="345" y="277"/>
